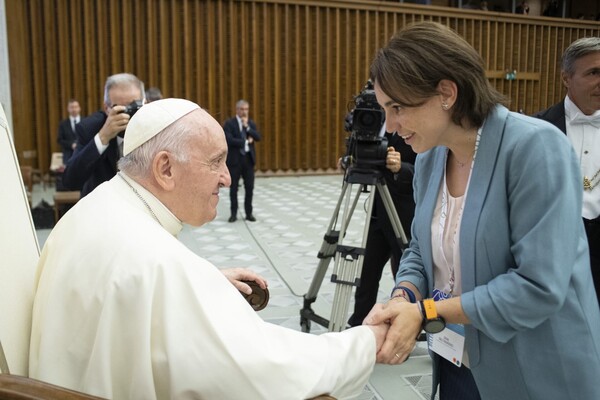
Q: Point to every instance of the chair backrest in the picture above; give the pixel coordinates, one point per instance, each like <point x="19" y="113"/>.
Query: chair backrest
<point x="56" y="162"/>
<point x="27" y="173"/>
<point x="19" y="252"/>
<point x="3" y="363"/>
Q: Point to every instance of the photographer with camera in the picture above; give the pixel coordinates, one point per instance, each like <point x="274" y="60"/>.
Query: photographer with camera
<point x="382" y="245"/>
<point x="100" y="135"/>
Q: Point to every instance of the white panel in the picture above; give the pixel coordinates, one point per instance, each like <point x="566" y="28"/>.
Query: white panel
<point x="19" y="254"/>
<point x="5" y="99"/>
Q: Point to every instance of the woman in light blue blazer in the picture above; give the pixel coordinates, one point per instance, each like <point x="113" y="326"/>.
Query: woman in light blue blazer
<point x="497" y="238"/>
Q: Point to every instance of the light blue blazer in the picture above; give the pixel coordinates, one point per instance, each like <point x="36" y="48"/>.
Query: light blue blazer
<point x="526" y="280"/>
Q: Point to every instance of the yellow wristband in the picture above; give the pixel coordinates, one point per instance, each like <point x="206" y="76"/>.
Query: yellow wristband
<point x="430" y="310"/>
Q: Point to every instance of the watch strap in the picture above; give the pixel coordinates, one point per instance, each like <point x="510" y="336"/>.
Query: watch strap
<point x="429" y="310"/>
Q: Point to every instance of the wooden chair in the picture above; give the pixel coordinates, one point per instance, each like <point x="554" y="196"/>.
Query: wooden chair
<point x="15" y="387"/>
<point x="27" y="174"/>
<point x="62" y="199"/>
<point x="56" y="163"/>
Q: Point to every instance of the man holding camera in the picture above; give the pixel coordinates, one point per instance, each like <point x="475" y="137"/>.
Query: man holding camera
<point x="99" y="145"/>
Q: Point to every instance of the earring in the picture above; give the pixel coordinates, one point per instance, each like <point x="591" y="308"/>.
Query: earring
<point x="445" y="106"/>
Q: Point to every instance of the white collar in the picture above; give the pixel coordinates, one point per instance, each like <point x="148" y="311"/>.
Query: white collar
<point x="152" y="205"/>
<point x="573" y="113"/>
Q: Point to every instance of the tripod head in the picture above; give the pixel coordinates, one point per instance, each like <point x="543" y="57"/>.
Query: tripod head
<point x="363" y="176"/>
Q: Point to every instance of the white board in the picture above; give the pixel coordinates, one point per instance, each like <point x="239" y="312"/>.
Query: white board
<point x="19" y="254"/>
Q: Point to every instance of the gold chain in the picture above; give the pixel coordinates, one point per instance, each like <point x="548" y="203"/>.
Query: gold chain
<point x="588" y="183"/>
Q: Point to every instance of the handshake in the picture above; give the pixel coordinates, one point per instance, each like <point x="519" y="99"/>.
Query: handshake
<point x="396" y="326"/>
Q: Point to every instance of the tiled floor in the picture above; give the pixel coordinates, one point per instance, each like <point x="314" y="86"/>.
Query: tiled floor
<point x="293" y="214"/>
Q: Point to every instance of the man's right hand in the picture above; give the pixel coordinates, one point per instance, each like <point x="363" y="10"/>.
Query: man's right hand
<point x="380" y="331"/>
<point x="405" y="324"/>
<point x="116" y="122"/>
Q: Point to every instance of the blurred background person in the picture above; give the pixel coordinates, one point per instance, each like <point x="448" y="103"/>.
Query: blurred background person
<point x="241" y="133"/>
<point x="153" y="94"/>
<point x="67" y="138"/>
<point x="552" y="9"/>
<point x="522" y="8"/>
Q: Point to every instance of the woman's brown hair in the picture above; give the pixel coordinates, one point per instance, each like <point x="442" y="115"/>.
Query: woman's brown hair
<point x="409" y="68"/>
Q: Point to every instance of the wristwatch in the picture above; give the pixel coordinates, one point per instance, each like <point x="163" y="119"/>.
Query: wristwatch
<point x="432" y="322"/>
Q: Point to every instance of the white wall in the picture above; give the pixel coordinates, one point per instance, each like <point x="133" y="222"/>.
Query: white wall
<point x="5" y="99"/>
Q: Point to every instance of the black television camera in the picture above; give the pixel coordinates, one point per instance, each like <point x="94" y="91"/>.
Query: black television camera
<point x="365" y="148"/>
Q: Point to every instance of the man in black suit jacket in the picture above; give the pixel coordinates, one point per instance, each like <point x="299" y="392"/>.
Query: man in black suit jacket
<point x="578" y="116"/>
<point x="382" y="245"/>
<point x="66" y="130"/>
<point x="241" y="133"/>
<point x="98" y="140"/>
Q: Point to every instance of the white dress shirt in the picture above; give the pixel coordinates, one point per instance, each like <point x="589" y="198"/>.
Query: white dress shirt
<point x="584" y="133"/>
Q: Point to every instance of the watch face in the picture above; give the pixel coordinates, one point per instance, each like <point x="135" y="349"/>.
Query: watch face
<point x="435" y="325"/>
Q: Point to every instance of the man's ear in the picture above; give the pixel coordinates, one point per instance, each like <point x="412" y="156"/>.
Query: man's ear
<point x="448" y="91"/>
<point x="162" y="170"/>
<point x="566" y="79"/>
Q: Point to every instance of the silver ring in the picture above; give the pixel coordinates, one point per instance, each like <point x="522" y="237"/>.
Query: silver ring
<point x="397" y="355"/>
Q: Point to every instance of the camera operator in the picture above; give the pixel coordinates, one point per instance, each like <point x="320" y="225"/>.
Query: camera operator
<point x="382" y="244"/>
<point x="99" y="145"/>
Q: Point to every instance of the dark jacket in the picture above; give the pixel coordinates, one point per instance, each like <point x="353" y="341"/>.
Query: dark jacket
<point x="87" y="168"/>
<point x="555" y="115"/>
<point x="400" y="188"/>
<point x="236" y="141"/>
<point x="66" y="138"/>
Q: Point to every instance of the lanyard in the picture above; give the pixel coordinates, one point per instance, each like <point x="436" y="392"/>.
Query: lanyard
<point x="444" y="214"/>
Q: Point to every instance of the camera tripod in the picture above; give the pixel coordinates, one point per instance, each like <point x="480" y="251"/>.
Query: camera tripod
<point x="348" y="259"/>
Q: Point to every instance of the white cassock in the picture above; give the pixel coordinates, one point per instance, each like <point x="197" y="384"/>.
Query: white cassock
<point x="123" y="310"/>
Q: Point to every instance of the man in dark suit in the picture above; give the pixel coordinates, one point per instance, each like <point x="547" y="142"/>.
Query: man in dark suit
<point x="241" y="133"/>
<point x="99" y="145"/>
<point x="578" y="116"/>
<point x="382" y="245"/>
<point x="66" y="130"/>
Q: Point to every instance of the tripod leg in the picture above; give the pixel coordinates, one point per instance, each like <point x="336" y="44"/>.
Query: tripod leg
<point x="326" y="253"/>
<point x="351" y="261"/>
<point x="346" y="217"/>
<point x="392" y="214"/>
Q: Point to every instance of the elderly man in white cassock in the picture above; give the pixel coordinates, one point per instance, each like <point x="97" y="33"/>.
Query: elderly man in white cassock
<point x="124" y="310"/>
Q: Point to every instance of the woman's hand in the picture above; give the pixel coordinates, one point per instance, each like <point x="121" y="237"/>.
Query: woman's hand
<point x="237" y="275"/>
<point x="405" y="319"/>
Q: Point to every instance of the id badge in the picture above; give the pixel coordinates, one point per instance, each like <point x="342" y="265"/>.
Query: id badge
<point x="449" y="343"/>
